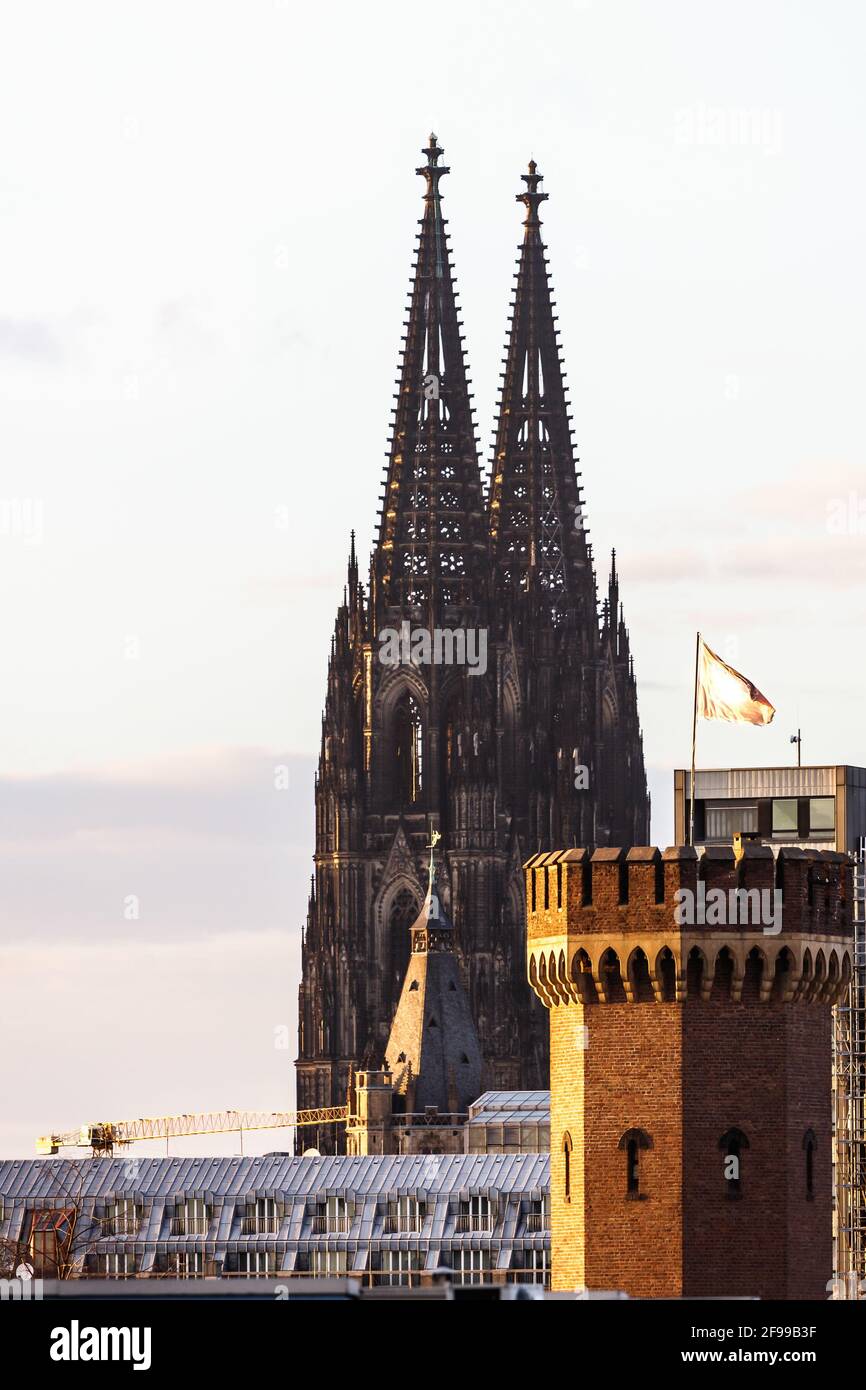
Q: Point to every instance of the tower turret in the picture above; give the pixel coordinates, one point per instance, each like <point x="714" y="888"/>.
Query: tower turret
<point x="433" y="1047"/>
<point x="689" y="1004"/>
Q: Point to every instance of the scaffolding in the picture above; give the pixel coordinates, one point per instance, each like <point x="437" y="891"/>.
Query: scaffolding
<point x="849" y="1129"/>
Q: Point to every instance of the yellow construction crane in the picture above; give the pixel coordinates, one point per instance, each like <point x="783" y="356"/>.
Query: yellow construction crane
<point x="103" y="1137"/>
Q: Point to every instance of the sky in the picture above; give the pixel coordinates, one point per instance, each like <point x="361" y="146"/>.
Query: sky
<point x="207" y="219"/>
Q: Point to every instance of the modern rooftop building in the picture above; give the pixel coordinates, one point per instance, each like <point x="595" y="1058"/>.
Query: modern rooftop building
<point x="813" y="807"/>
<point x="509" y="1122"/>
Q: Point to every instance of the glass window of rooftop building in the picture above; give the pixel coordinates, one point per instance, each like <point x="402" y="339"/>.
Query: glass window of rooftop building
<point x="724" y="821"/>
<point x="822" y="813"/>
<point x="785" y="816"/>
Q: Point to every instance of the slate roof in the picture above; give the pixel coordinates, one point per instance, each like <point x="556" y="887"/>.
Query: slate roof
<point x="433" y="1045"/>
<point x="54" y="1179"/>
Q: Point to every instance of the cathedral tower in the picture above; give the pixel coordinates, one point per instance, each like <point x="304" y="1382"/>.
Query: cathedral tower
<point x="472" y="690"/>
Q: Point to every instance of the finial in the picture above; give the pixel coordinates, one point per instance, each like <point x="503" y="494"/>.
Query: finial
<point x="432" y="171"/>
<point x="532" y="198"/>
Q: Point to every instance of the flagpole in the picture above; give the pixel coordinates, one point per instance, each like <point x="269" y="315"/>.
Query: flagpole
<point x="694" y="738"/>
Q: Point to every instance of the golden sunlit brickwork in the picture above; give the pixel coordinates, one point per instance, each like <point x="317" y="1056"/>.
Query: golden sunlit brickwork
<point x="689" y="1004"/>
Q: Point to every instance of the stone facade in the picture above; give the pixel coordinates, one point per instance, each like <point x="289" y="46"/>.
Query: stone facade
<point x="505" y="715"/>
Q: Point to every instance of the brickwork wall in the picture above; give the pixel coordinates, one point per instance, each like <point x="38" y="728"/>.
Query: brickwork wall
<point x="623" y="1078"/>
<point x="685" y="1073"/>
<point x="763" y="1069"/>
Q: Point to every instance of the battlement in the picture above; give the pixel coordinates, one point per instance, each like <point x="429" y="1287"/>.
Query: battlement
<point x="587" y="913"/>
<point x="642" y="886"/>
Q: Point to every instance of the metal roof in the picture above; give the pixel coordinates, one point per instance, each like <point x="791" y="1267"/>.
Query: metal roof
<point x="54" y="1179"/>
<point x="511" y="1117"/>
<point x="512" y="1101"/>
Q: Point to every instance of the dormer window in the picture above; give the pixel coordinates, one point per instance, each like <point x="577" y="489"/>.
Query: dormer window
<point x="192" y="1218"/>
<point x="404" y="1214"/>
<point x="262" y="1217"/>
<point x="122" y="1217"/>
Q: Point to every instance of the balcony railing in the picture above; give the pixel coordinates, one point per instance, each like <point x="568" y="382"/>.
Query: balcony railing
<point x="474" y="1221"/>
<point x="393" y="1225"/>
<point x="190" y="1225"/>
<point x="369" y="1278"/>
<point x="426" y="1118"/>
<point x="330" y="1224"/>
<point x="536" y="1221"/>
<point x="121" y="1225"/>
<point x="260" y="1225"/>
<point x="183" y="1271"/>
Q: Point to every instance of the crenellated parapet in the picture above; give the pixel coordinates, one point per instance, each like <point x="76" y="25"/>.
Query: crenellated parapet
<point x="641" y="926"/>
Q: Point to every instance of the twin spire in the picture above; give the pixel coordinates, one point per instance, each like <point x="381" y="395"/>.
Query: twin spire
<point x="538" y="533"/>
<point x="435" y="535"/>
<point x="431" y="529"/>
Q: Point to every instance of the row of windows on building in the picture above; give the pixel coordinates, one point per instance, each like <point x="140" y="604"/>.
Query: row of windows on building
<point x="386" y="1267"/>
<point x="732" y="1146"/>
<point x="786" y="816"/>
<point x="334" y="1215"/>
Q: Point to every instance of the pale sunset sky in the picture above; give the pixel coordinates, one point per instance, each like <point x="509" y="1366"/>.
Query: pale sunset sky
<point x="207" y="219"/>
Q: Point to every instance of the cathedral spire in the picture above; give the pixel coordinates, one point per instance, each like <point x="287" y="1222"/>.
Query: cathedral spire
<point x="613" y="587"/>
<point x="431" y="530"/>
<point x="537" y="527"/>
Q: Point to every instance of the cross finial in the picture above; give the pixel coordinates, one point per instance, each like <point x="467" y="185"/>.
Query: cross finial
<point x="432" y="170"/>
<point x="433" y="150"/>
<point x="532" y="197"/>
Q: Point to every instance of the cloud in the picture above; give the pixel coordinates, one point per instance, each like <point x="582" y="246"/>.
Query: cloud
<point x="226" y="793"/>
<point x="812" y="528"/>
<point x="829" y="561"/>
<point x="30" y="340"/>
<point x="153" y="919"/>
<point x="183" y="849"/>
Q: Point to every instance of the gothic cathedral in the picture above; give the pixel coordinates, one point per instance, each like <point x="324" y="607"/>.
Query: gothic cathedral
<point x="473" y="689"/>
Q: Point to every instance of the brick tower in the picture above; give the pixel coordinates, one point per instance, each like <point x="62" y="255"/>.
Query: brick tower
<point x="690" y="1064"/>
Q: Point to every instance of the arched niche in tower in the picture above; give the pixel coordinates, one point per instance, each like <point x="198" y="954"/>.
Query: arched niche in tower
<point x="454" y="732"/>
<point x="404" y="744"/>
<point x="510" y="746"/>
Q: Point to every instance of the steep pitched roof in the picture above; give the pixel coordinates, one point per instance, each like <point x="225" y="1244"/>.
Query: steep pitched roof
<point x="433" y="1049"/>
